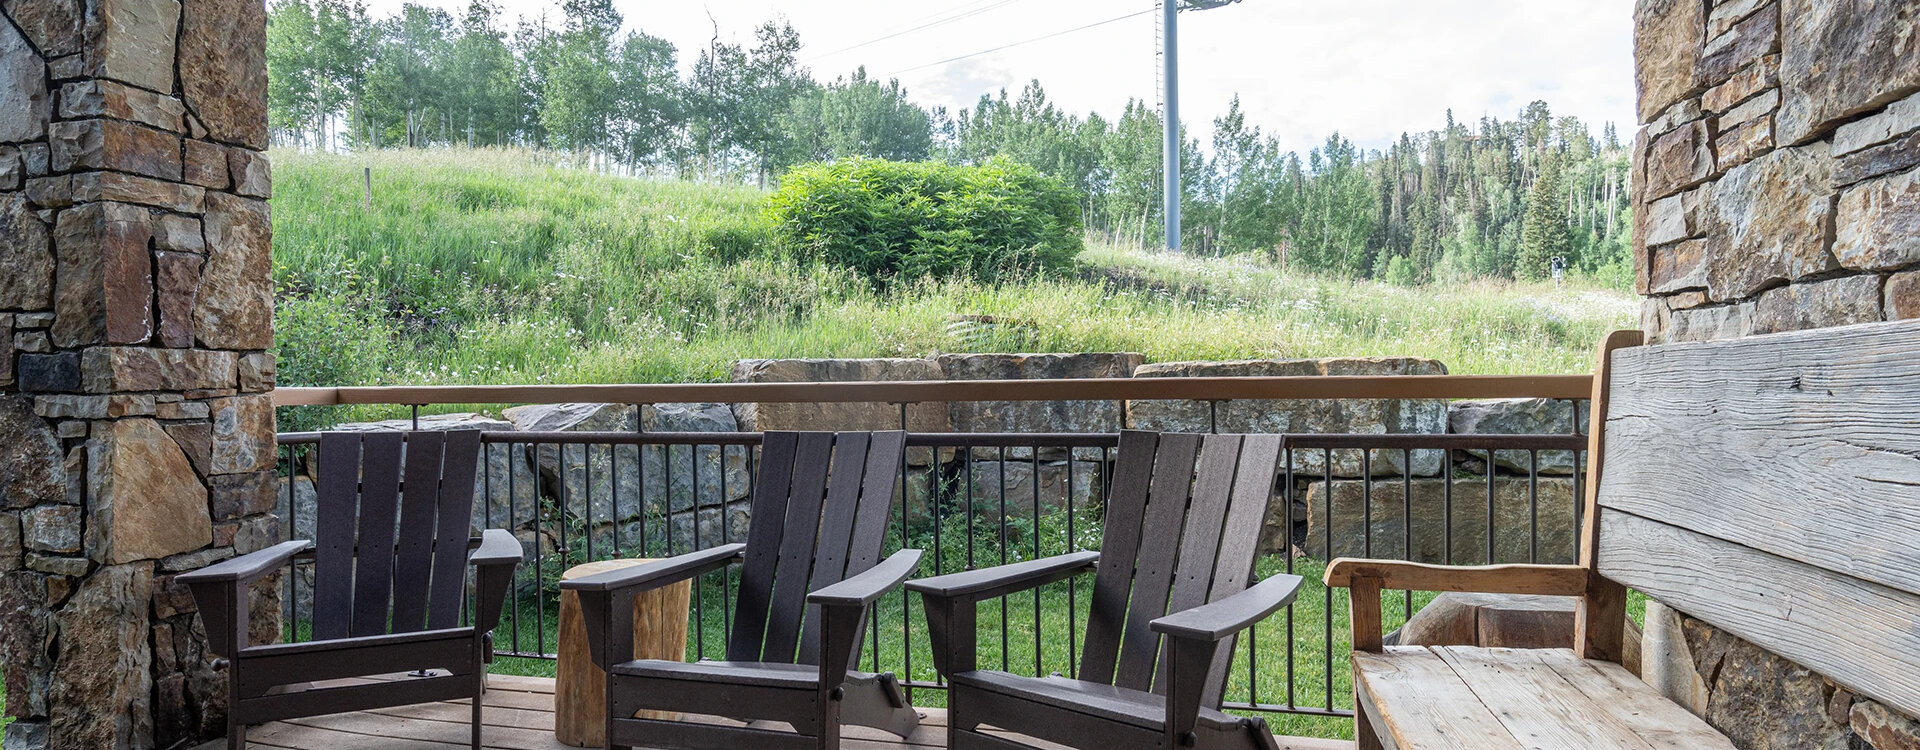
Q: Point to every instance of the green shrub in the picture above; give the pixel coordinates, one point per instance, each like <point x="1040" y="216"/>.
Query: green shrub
<point x="893" y="220"/>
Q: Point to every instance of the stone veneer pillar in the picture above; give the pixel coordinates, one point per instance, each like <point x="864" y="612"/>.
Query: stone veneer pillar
<point x="1777" y="188"/>
<point x="136" y="433"/>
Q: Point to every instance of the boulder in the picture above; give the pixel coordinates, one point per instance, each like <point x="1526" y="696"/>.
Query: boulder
<point x="1877" y="226"/>
<point x="26" y="260"/>
<point x="26" y="642"/>
<point x="1818" y="304"/>
<point x="1514" y="518"/>
<point x="1679" y="160"/>
<point x="1770" y="221"/>
<point x="1879" y="43"/>
<point x="223" y="69"/>
<point x="1000" y="489"/>
<point x="233" y="308"/>
<point x="24" y="102"/>
<point x="1761" y="700"/>
<point x="104" y="288"/>
<point x="102" y="684"/>
<point x="868" y="415"/>
<point x="613" y="484"/>
<point x="1667" y="661"/>
<point x="1882" y="728"/>
<point x="1666" y="52"/>
<point x="1037" y="416"/>
<point x="506" y="494"/>
<point x="1520" y="416"/>
<point x="1376" y="416"/>
<point x="1903" y="296"/>
<point x="32" y="466"/>
<point x="145" y="501"/>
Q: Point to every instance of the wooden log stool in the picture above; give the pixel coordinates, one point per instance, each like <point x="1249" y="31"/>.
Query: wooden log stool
<point x="580" y="688"/>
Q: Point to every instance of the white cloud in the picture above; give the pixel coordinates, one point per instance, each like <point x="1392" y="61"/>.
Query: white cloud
<point x="1370" y="69"/>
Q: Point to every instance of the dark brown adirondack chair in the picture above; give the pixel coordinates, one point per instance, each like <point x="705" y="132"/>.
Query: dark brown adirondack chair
<point x="1182" y="524"/>
<point x="812" y="567"/>
<point x="390" y="574"/>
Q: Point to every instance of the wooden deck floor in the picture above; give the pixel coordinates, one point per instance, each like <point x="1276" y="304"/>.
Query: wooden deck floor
<point x="519" y="716"/>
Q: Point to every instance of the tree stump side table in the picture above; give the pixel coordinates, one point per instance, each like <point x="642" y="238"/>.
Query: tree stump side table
<point x="580" y="687"/>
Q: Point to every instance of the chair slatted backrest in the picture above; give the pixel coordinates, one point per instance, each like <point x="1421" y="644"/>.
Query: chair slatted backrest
<point x="1183" y="524"/>
<point x="820" y="510"/>
<point x="393" y="529"/>
<point x="1771" y="486"/>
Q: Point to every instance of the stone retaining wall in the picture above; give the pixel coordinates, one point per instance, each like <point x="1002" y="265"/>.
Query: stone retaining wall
<point x="1776" y="189"/>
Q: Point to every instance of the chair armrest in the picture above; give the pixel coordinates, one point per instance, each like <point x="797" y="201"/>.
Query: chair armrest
<point x="497" y="547"/>
<point x="988" y="583"/>
<point x="657" y="574"/>
<point x="604" y="598"/>
<point x="1549" y="580"/>
<point x="248" y="567"/>
<point x="220" y="592"/>
<point x="863" y="589"/>
<point x="1217" y="620"/>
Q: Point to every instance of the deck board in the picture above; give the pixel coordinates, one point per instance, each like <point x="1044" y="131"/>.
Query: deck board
<point x="519" y="716"/>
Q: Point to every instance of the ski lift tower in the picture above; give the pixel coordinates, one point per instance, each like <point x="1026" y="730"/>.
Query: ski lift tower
<point x="1170" y="105"/>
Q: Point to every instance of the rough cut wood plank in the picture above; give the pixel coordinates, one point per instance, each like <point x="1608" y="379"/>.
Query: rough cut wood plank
<point x="1534" y="703"/>
<point x="1799" y="444"/>
<point x="1600" y="618"/>
<point x="1661" y="722"/>
<point x="1860" y="634"/>
<point x="1424" y="704"/>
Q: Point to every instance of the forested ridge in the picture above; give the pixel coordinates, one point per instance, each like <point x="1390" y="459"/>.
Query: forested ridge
<point x="1489" y="198"/>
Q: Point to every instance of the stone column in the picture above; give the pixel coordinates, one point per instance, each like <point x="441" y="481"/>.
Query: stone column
<point x="136" y="434"/>
<point x="1776" y="188"/>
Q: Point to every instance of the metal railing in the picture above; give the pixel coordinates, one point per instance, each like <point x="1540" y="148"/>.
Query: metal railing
<point x="977" y="500"/>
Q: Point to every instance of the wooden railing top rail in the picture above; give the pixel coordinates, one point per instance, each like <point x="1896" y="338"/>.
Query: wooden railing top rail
<point x="928" y="391"/>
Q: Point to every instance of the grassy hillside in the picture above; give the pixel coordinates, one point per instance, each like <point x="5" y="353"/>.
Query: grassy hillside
<point x="501" y="267"/>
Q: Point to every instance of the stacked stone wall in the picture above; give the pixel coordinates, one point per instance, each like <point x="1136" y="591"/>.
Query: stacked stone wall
<point x="135" y="315"/>
<point x="1777" y="188"/>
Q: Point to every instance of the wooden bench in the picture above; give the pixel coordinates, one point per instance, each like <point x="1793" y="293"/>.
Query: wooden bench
<point x="1769" y="486"/>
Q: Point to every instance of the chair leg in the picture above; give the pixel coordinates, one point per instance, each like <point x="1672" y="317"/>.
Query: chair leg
<point x="1364" y="737"/>
<point x="236" y="734"/>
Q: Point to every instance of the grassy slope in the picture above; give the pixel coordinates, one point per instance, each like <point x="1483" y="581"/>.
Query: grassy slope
<point x="495" y="267"/>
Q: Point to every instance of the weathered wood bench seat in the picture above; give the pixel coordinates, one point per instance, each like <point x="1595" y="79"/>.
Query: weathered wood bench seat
<point x="1475" y="698"/>
<point x="1769" y="486"/>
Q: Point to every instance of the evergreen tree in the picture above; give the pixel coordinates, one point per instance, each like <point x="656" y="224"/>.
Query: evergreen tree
<point x="1543" y="236"/>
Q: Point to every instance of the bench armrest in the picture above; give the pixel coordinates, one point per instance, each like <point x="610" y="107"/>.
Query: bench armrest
<point x="656" y="574"/>
<point x="247" y="567"/>
<point x="988" y="583"/>
<point x="1217" y="620"/>
<point x="864" y="588"/>
<point x="1549" y="580"/>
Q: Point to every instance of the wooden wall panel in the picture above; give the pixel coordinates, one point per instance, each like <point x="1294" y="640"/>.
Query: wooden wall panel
<point x="1862" y="635"/>
<point x="1805" y="445"/>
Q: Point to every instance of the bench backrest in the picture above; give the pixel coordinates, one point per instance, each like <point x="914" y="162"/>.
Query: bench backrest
<point x="820" y="502"/>
<point x="392" y="532"/>
<point x="1183" y="522"/>
<point x="1771" y="487"/>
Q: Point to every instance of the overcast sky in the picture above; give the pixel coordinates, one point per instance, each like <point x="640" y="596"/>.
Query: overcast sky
<point x="1369" y="69"/>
